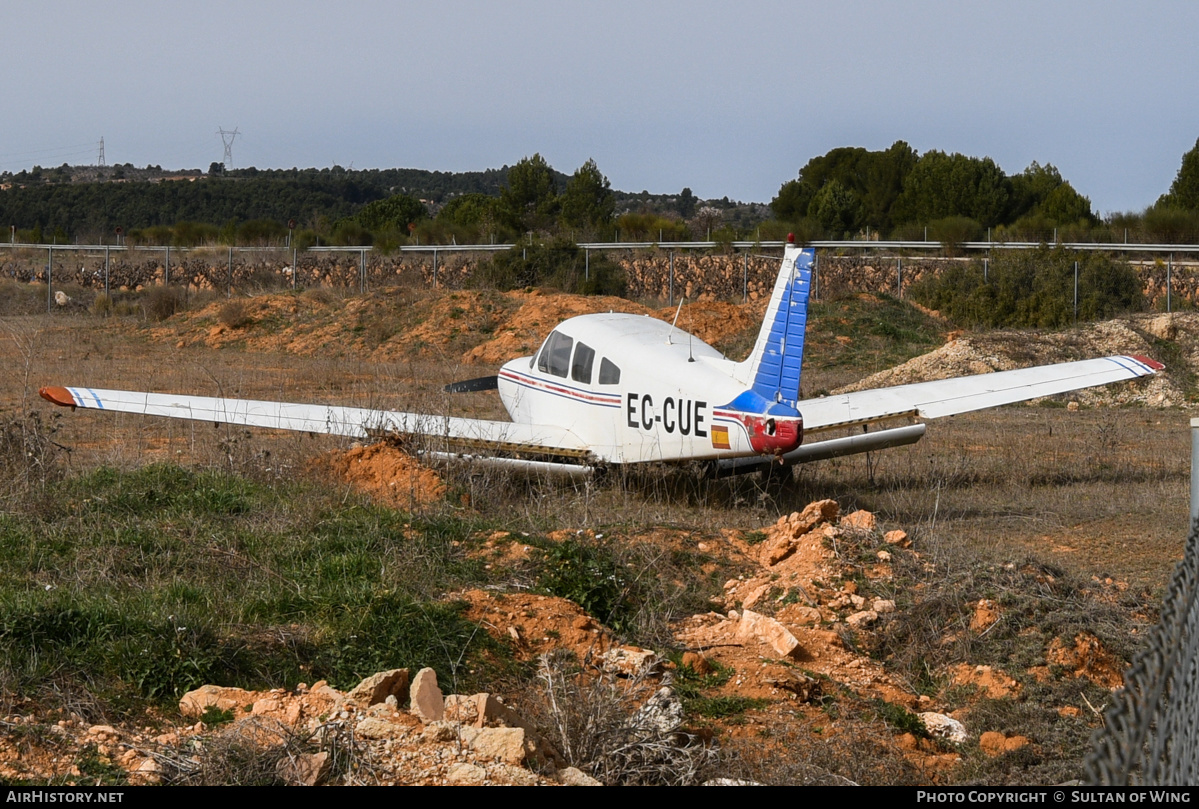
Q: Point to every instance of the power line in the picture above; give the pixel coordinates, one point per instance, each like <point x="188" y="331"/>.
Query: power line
<point x="90" y="145"/>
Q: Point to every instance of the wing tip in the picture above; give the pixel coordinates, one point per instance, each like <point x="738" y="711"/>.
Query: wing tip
<point x="57" y="395"/>
<point x="1153" y="365"/>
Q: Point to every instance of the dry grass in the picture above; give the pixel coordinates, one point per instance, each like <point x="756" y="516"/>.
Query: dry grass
<point x="258" y="752"/>
<point x="626" y="733"/>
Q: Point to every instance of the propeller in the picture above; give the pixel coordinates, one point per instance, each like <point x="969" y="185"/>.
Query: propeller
<point x="473" y="385"/>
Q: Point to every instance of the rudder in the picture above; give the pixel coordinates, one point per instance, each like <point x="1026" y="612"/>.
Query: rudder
<point x="774" y="367"/>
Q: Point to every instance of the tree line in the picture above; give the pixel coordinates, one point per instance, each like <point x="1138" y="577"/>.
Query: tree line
<point x="849" y="192"/>
<point x="900" y="193"/>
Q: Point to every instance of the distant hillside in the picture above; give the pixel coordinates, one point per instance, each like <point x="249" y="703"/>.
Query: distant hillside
<point x="87" y="203"/>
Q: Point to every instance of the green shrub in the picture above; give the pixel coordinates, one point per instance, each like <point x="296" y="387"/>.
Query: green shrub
<point x="587" y="574"/>
<point x="560" y="264"/>
<point x="1032" y="288"/>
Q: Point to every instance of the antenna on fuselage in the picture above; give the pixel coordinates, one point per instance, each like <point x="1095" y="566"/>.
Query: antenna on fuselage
<point x="670" y="333"/>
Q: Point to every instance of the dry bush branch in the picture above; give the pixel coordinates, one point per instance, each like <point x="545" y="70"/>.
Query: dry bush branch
<point x="260" y="752"/>
<point x="620" y="732"/>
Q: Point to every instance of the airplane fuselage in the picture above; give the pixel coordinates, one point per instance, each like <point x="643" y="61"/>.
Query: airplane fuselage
<point x="636" y="389"/>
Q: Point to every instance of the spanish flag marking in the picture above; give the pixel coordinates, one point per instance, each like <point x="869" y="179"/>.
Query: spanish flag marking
<point x="720" y="438"/>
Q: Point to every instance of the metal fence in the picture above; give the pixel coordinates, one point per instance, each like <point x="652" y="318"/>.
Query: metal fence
<point x="1151" y="729"/>
<point x="655" y="270"/>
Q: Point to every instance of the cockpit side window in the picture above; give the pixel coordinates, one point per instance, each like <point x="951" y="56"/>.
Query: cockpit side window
<point x="609" y="373"/>
<point x="580" y="369"/>
<point x="555" y="355"/>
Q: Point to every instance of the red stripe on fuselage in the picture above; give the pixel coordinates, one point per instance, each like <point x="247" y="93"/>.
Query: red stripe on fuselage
<point x="562" y="390"/>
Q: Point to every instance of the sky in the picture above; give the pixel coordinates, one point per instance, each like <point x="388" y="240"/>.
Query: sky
<point x="729" y="101"/>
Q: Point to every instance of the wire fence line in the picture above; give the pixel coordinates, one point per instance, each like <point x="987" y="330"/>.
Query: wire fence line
<point x="695" y="270"/>
<point x="1150" y="735"/>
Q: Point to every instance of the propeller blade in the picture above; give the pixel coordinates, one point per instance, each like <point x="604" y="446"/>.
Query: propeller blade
<point x="473" y="385"/>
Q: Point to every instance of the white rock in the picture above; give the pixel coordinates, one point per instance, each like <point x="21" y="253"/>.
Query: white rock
<point x="944" y="727"/>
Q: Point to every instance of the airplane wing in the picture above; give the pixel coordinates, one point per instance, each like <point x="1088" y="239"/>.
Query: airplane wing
<point x="439" y="434"/>
<point x="947" y="397"/>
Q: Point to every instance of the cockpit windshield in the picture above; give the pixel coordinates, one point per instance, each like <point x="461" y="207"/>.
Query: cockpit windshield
<point x="555" y="354"/>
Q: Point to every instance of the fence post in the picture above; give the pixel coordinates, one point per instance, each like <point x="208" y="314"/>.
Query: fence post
<point x="1194" y="471"/>
<point x="670" y="294"/>
<point x="815" y="276"/>
<point x="106" y="293"/>
<point x="435" y="268"/>
<point x="49" y="288"/>
<point x="745" y="279"/>
<point x="295" y="270"/>
<point x="1076" y="292"/>
<point x="166" y="269"/>
<point x="230" y="295"/>
<point x="899" y="276"/>
<point x="586" y="264"/>
<point x="1169" y="279"/>
<point x="362" y="271"/>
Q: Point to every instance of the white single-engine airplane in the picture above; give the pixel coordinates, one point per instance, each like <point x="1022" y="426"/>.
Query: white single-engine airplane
<point x="625" y="389"/>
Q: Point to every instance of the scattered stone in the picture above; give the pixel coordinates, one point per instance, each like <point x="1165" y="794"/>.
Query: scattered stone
<point x="805" y="616"/>
<point x="944" y="727"/>
<point x="862" y="619"/>
<point x="1163" y="327"/>
<point x="425" y="697"/>
<point x="897" y="537"/>
<point x="812" y="515"/>
<point x="378" y="687"/>
<point x="767" y="630"/>
<point x="663" y="712"/>
<point x="629" y="661"/>
<point x="305" y="769"/>
<point x="859" y="520"/>
<point x="371" y="727"/>
<point x="805" y="687"/>
<point x="883" y="605"/>
<point x="194" y="703"/>
<point x="440" y="731"/>
<point x="463" y="709"/>
<point x="516" y="776"/>
<point x="574" y="777"/>
<point x="777" y="549"/>
<point x="502" y="744"/>
<point x="463" y="774"/>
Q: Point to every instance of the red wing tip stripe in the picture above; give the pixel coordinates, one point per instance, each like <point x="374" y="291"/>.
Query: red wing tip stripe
<point x="59" y="396"/>
<point x="1153" y="364"/>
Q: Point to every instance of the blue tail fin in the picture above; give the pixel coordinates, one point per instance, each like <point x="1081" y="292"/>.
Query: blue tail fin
<point x="773" y="369"/>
